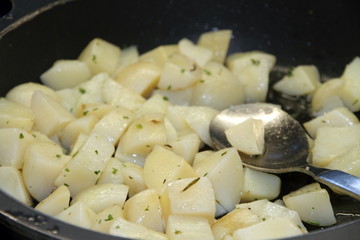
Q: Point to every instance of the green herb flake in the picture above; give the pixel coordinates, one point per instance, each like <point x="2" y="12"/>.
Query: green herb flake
<point x="125" y="117"/>
<point x="202" y="81"/>
<point x="146" y="209"/>
<point x="93" y="58"/>
<point x="182" y="70"/>
<point x="114" y="170"/>
<point x="255" y="62"/>
<point x="67" y="185"/>
<point x="95" y="109"/>
<point x="165" y="98"/>
<point x="131" y="177"/>
<point x="207" y="72"/>
<point x="355" y="102"/>
<point x="109" y="218"/>
<point x="177" y="232"/>
<point x="117" y="227"/>
<point x="314" y="223"/>
<point x="97" y="152"/>
<point x="85" y="113"/>
<point x="67" y="170"/>
<point x="139" y="126"/>
<point x="206" y="174"/>
<point x="224" y="153"/>
<point x="82" y="90"/>
<point x="169" y="87"/>
<point x="75" y="153"/>
<point x="191" y="184"/>
<point x="21" y="135"/>
<point x="58" y="156"/>
<point x="97" y="172"/>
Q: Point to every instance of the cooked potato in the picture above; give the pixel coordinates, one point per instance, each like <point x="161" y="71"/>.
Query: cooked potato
<point x="201" y="55"/>
<point x="218" y="42"/>
<point x="78" y="214"/>
<point x="15" y="115"/>
<point x="56" y="202"/>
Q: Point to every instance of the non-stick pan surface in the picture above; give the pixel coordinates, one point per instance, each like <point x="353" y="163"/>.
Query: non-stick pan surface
<point x="36" y="33"/>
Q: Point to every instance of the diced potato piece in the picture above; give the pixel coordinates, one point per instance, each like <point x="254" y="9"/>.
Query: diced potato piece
<point x="275" y="228"/>
<point x="158" y="55"/>
<point x="13" y="145"/>
<point x="201" y="55"/>
<point x="113" y="125"/>
<point x="56" y="202"/>
<point x="260" y="185"/>
<point x="112" y="172"/>
<point x="12" y="183"/>
<point x="128" y="56"/>
<point x="101" y="196"/>
<point x="136" y="158"/>
<point x="327" y="145"/>
<point x="50" y="116"/>
<point x="178" y="97"/>
<point x="15" y="115"/>
<point x="225" y="171"/>
<point x="143" y="134"/>
<point x="350" y="92"/>
<point x="186" y="146"/>
<point x="218" y="88"/>
<point x="133" y="177"/>
<point x="140" y="77"/>
<point x="67" y="98"/>
<point x="117" y="95"/>
<point x="144" y="208"/>
<point x="127" y="229"/>
<point x="155" y="104"/>
<point x="252" y="69"/>
<point x="325" y="92"/>
<point x="198" y="118"/>
<point x="85" y="167"/>
<point x="89" y="93"/>
<point x="313" y="205"/>
<point x="106" y="218"/>
<point x="81" y="139"/>
<point x="348" y="162"/>
<point x="218" y="42"/>
<point x="339" y="117"/>
<point x="171" y="133"/>
<point x="188" y="227"/>
<point x="163" y="166"/>
<point x="66" y="74"/>
<point x="78" y="214"/>
<point x="267" y="210"/>
<point x="179" y="72"/>
<point x="43" y="161"/>
<point x="248" y="136"/>
<point x="304" y="79"/>
<point x="23" y="93"/>
<point x="71" y="131"/>
<point x="189" y="197"/>
<point x="237" y="218"/>
<point x="100" y="56"/>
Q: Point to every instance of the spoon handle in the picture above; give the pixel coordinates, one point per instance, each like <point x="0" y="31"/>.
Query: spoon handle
<point x="337" y="180"/>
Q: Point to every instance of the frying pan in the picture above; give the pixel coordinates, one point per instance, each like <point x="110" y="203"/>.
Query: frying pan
<point x="36" y="33"/>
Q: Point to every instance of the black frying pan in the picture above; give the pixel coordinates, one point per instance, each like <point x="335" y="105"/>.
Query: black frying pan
<point x="324" y="33"/>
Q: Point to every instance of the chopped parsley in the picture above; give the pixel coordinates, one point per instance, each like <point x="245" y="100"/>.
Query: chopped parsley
<point x="290" y="73"/>
<point x="355" y="102"/>
<point x="109" y="218"/>
<point x="82" y="90"/>
<point x="207" y="72"/>
<point x="97" y="152"/>
<point x="67" y="185"/>
<point x="67" y="170"/>
<point x="93" y="58"/>
<point x="182" y="70"/>
<point x="114" y="170"/>
<point x="169" y="87"/>
<point x="85" y="112"/>
<point x="97" y="172"/>
<point x="224" y="153"/>
<point x="202" y="81"/>
<point x="58" y="156"/>
<point x="255" y="62"/>
<point x="125" y="117"/>
<point x="146" y="209"/>
<point x="165" y="98"/>
<point x="21" y="135"/>
<point x="177" y="232"/>
<point x="139" y="126"/>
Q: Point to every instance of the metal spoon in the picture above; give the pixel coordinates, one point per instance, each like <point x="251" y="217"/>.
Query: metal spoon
<point x="286" y="146"/>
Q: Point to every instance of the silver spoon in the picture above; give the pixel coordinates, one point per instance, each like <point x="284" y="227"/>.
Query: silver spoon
<point x="286" y="146"/>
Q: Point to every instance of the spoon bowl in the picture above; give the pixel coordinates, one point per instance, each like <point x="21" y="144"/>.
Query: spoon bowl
<point x="286" y="145"/>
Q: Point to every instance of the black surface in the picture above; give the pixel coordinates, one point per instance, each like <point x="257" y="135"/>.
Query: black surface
<point x="324" y="33"/>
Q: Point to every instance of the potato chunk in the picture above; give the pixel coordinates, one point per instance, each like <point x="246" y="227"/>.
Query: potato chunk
<point x="15" y="115"/>
<point x="56" y="202"/>
<point x="100" y="56"/>
<point x="313" y="205"/>
<point x="218" y="42"/>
